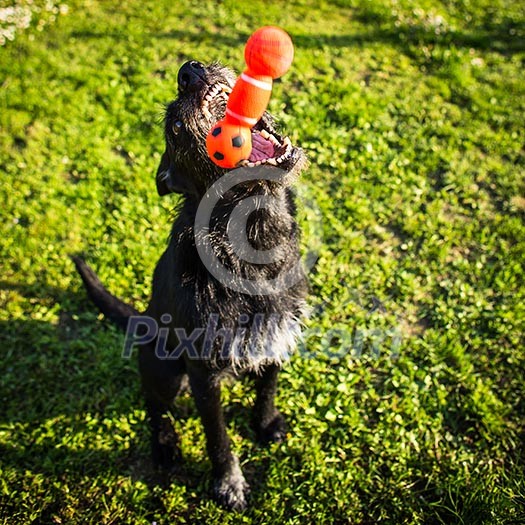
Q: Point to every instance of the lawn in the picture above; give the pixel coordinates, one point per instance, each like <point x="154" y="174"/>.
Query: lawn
<point x="406" y="402"/>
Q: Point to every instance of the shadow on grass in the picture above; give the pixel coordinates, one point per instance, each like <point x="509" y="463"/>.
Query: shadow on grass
<point x="64" y="384"/>
<point x="504" y="37"/>
<point x="62" y="367"/>
<point x="405" y="37"/>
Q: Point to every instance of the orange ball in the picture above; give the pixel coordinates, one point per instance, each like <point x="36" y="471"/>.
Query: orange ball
<point x="269" y="51"/>
<point x="228" y="144"/>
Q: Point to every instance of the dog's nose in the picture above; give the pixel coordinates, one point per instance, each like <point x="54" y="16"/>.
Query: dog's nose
<point x="191" y="76"/>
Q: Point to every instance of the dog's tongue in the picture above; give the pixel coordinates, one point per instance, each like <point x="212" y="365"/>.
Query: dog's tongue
<point x="261" y="148"/>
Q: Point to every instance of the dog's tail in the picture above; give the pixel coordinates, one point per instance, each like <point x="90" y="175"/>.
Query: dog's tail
<point x="112" y="307"/>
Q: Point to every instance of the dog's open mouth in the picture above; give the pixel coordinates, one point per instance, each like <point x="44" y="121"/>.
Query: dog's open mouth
<point x="268" y="147"/>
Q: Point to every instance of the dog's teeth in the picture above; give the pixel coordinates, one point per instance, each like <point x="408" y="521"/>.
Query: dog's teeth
<point x="274" y="141"/>
<point x="217" y="90"/>
<point x="271" y="161"/>
<point x="287" y="141"/>
<point x="268" y="136"/>
<point x="286" y="155"/>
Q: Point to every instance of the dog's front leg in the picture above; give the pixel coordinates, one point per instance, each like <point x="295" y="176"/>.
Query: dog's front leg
<point x="230" y="487"/>
<point x="268" y="422"/>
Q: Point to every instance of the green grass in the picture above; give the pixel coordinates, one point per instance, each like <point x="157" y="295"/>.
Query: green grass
<point x="412" y="116"/>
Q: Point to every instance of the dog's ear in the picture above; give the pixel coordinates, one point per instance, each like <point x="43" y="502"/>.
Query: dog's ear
<point x="170" y="179"/>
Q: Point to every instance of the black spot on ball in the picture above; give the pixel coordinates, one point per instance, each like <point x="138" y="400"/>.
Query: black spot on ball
<point x="237" y="141"/>
<point x="218" y="155"/>
<point x="216" y="132"/>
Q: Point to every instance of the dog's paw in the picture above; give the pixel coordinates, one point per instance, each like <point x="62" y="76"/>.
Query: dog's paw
<point x="274" y="431"/>
<point x="231" y="490"/>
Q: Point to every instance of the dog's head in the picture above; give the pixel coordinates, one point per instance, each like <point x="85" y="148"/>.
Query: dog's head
<point x="202" y="96"/>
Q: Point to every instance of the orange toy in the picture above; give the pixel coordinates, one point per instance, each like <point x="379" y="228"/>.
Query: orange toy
<point x="268" y="54"/>
<point x="269" y="51"/>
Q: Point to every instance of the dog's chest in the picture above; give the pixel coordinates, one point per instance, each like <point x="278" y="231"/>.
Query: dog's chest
<point x="239" y="331"/>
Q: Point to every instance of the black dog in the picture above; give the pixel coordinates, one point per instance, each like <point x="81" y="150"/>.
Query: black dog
<point x="244" y="324"/>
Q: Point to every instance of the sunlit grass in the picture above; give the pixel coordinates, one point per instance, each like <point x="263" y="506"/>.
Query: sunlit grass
<point x="412" y="116"/>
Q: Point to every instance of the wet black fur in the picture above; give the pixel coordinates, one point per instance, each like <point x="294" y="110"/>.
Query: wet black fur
<point x="183" y="287"/>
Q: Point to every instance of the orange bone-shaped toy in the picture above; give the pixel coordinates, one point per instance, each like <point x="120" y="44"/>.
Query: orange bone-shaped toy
<point x="268" y="54"/>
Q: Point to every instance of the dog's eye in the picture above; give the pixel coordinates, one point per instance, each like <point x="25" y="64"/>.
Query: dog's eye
<point x="177" y="127"/>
